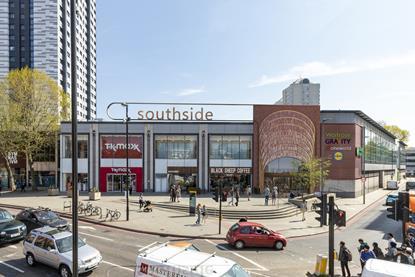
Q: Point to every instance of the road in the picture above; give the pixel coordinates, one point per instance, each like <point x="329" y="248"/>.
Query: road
<point x="119" y="249"/>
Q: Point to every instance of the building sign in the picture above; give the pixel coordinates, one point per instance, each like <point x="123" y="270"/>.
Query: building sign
<point x="230" y="170"/>
<point x="339" y="141"/>
<point x="12" y="158"/>
<point x="114" y="147"/>
<point x="176" y="114"/>
<point x="338" y="156"/>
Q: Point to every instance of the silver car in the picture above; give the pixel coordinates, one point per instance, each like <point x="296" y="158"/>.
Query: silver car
<point x="54" y="248"/>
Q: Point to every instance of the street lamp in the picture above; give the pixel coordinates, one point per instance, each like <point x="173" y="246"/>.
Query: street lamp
<point x="127" y="166"/>
<point x="321" y="153"/>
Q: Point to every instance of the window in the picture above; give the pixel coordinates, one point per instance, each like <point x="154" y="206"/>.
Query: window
<point x="82" y="146"/>
<point x="30" y="238"/>
<point x="176" y="147"/>
<point x="245" y="230"/>
<point x="40" y="241"/>
<point x="230" y="147"/>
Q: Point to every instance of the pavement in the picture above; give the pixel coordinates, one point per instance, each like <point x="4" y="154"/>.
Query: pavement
<point x="174" y="223"/>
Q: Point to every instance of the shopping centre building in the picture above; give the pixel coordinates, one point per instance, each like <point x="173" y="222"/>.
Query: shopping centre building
<point x="188" y="145"/>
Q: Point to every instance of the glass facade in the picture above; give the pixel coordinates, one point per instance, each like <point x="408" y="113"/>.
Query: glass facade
<point x="174" y="147"/>
<point x="379" y="149"/>
<point x="82" y="146"/>
<point x="230" y="147"/>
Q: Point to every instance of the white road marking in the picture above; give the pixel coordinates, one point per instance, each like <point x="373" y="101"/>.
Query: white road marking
<point x="147" y="246"/>
<point x="259" y="274"/>
<point x="119" y="266"/>
<point x="238" y="255"/>
<point x="12" y="267"/>
<point x="94" y="236"/>
<point x="86" y="227"/>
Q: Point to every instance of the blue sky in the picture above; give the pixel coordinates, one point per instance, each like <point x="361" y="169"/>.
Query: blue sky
<point x="246" y="51"/>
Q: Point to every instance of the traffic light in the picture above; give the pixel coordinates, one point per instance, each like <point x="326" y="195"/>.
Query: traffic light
<point x="216" y="194"/>
<point x="393" y="210"/>
<point x="321" y="209"/>
<point x="340" y="218"/>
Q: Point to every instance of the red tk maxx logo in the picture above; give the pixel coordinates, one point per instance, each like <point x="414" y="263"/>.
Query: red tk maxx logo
<point x="144" y="268"/>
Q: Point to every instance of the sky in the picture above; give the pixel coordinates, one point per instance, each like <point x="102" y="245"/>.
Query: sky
<point x="245" y="51"/>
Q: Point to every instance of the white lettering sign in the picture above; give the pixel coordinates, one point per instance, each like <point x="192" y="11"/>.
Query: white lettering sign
<point x="176" y="114"/>
<point x="121" y="146"/>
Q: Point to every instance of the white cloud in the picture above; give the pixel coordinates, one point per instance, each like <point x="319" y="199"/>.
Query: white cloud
<point x="191" y="91"/>
<point x="317" y="68"/>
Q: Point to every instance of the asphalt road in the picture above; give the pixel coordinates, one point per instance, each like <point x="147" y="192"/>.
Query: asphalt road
<point x="119" y="249"/>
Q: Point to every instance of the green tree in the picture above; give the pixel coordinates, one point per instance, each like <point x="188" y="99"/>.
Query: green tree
<point x="310" y="173"/>
<point x="37" y="105"/>
<point x="401" y="134"/>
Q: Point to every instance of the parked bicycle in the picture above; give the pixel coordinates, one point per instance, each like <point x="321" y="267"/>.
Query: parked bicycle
<point x="88" y="209"/>
<point x="113" y="214"/>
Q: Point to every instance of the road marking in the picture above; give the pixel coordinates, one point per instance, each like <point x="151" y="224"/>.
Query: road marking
<point x="259" y="274"/>
<point x="87" y="227"/>
<point x="147" y="246"/>
<point x="238" y="255"/>
<point x="119" y="266"/>
<point x="12" y="267"/>
<point x="94" y="236"/>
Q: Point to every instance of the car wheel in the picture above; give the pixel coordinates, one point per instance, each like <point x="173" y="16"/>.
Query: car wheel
<point x="279" y="245"/>
<point x="239" y="244"/>
<point x="64" y="271"/>
<point x="30" y="260"/>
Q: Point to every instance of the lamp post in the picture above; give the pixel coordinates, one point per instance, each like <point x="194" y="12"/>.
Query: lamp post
<point x="321" y="153"/>
<point x="74" y="144"/>
<point x="127" y="183"/>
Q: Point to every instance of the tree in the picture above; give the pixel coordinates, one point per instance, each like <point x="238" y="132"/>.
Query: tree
<point x="401" y="134"/>
<point x="311" y="172"/>
<point x="37" y="105"/>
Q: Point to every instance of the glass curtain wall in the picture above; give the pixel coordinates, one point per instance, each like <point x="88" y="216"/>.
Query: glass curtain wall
<point x="379" y="149"/>
<point x="230" y="147"/>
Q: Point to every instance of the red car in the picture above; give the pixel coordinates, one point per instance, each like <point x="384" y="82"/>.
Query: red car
<point x="250" y="234"/>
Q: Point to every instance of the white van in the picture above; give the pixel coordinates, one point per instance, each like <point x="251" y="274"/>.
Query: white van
<point x="392" y="184"/>
<point x="381" y="268"/>
<point x="184" y="260"/>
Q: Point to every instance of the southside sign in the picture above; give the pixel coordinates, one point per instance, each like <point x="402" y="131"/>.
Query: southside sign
<point x="175" y="114"/>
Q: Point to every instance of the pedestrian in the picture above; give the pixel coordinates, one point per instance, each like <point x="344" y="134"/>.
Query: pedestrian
<point x="411" y="241"/>
<point x="266" y="194"/>
<point x="204" y="214"/>
<point x="249" y="192"/>
<point x="23" y="187"/>
<point x="198" y="213"/>
<point x="173" y="192"/>
<point x="390" y="239"/>
<point x="365" y="255"/>
<point x="360" y="248"/>
<point x="392" y="252"/>
<point x="140" y="200"/>
<point x="378" y="252"/>
<point x="231" y="195"/>
<point x="345" y="256"/>
<point x="303" y="208"/>
<point x="178" y="193"/>
<point x="237" y="197"/>
<point x="130" y="189"/>
<point x="273" y="196"/>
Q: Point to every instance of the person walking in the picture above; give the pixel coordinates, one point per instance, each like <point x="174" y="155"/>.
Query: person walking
<point x="198" y="213"/>
<point x="249" y="192"/>
<point x="237" y="195"/>
<point x="345" y="256"/>
<point x="365" y="255"/>
<point x="140" y="200"/>
<point x="360" y="248"/>
<point x="273" y="196"/>
<point x="178" y="193"/>
<point x="378" y="252"/>
<point x="130" y="189"/>
<point x="231" y="192"/>
<point x="390" y="240"/>
<point x="266" y="194"/>
<point x="204" y="214"/>
<point x="392" y="252"/>
<point x="23" y="187"/>
<point x="303" y="208"/>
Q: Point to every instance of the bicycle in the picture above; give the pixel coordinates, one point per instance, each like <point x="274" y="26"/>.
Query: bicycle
<point x="113" y="214"/>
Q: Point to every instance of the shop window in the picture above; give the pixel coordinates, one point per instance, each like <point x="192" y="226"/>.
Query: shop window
<point x="82" y="146"/>
<point x="176" y="147"/>
<point x="230" y="147"/>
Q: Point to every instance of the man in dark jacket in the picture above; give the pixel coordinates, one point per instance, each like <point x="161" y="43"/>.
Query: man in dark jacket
<point x="378" y="252"/>
<point x="344" y="258"/>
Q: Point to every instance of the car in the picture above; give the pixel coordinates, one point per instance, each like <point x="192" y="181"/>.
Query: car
<point x="392" y="184"/>
<point x="52" y="247"/>
<point x="10" y="229"/>
<point x="251" y="234"/>
<point x="390" y="198"/>
<point x="40" y="217"/>
<point x="410" y="185"/>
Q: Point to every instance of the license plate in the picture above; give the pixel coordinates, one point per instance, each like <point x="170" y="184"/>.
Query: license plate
<point x="14" y="235"/>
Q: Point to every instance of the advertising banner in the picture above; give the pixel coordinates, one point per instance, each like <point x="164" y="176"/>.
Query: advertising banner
<point x="114" y="147"/>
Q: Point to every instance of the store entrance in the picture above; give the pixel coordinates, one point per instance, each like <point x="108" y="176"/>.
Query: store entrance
<point x="284" y="182"/>
<point x="117" y="182"/>
<point x="240" y="181"/>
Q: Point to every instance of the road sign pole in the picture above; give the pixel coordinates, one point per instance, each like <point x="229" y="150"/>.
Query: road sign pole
<point x="331" y="236"/>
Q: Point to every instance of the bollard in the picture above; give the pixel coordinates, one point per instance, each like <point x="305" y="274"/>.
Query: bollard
<point x="323" y="265"/>
<point x="318" y="262"/>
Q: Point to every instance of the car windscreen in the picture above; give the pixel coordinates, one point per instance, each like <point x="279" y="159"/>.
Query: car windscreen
<point x="5" y="216"/>
<point x="410" y="185"/>
<point x="46" y="216"/>
<point x="65" y="244"/>
<point x="236" y="271"/>
<point x="235" y="227"/>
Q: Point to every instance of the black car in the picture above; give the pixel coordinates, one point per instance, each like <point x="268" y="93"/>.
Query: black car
<point x="410" y="185"/>
<point x="10" y="228"/>
<point x="36" y="218"/>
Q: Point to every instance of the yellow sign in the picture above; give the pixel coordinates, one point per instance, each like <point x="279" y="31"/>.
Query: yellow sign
<point x="338" y="156"/>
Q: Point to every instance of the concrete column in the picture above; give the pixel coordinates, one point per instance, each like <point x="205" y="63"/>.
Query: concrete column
<point x="148" y="164"/>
